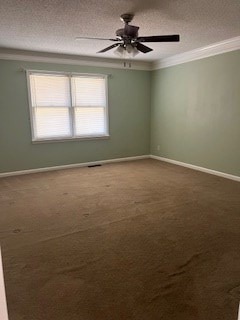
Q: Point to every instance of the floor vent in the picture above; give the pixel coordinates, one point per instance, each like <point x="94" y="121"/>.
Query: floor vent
<point x="94" y="165"/>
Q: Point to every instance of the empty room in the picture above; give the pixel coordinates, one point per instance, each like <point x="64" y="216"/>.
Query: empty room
<point x="119" y="160"/>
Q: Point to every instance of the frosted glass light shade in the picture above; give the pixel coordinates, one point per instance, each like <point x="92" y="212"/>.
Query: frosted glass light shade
<point x="126" y="52"/>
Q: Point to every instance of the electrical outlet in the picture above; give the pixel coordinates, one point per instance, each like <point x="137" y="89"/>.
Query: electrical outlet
<point x="158" y="148"/>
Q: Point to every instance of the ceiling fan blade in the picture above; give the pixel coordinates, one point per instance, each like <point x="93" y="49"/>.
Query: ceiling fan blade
<point x="109" y="48"/>
<point x="89" y="38"/>
<point x="141" y="47"/>
<point x="169" y="38"/>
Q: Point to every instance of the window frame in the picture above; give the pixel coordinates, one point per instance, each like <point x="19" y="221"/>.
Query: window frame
<point x="71" y="107"/>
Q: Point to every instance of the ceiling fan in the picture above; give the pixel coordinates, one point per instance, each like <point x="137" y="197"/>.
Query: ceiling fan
<point x="128" y="41"/>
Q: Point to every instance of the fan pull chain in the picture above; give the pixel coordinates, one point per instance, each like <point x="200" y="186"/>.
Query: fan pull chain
<point x="127" y="64"/>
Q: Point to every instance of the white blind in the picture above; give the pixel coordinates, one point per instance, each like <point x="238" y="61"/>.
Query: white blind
<point x="50" y="90"/>
<point x="89" y="101"/>
<point x="68" y="106"/>
<point x="52" y="122"/>
<point x="50" y="101"/>
<point x="90" y="121"/>
<point x="88" y="92"/>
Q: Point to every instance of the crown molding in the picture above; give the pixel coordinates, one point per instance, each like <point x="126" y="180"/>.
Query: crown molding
<point x="33" y="56"/>
<point x="204" y="52"/>
<point x="200" y="53"/>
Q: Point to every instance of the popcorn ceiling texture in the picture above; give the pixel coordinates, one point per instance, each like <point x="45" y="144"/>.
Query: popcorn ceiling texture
<point x="51" y="26"/>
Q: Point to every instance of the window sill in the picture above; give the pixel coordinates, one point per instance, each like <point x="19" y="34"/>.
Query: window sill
<point x="51" y="140"/>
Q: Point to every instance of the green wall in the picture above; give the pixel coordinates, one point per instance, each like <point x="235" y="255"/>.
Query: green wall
<point x="129" y="96"/>
<point x="195" y="113"/>
<point x="195" y="116"/>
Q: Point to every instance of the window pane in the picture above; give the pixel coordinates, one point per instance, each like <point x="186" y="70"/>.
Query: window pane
<point x="52" y="122"/>
<point x="57" y="97"/>
<point x="49" y="90"/>
<point x="89" y="91"/>
<point x="90" y="121"/>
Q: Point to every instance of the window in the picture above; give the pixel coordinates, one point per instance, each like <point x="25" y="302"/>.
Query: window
<point x="64" y="106"/>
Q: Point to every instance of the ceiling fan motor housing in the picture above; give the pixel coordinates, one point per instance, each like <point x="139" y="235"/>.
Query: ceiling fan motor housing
<point x="128" y="32"/>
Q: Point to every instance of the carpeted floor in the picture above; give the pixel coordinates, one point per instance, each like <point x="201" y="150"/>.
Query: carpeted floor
<point x="141" y="240"/>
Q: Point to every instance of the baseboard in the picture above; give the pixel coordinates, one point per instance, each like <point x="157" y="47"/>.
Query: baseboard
<point x="3" y="302"/>
<point x="191" y="166"/>
<point x="85" y="164"/>
<point x="69" y="166"/>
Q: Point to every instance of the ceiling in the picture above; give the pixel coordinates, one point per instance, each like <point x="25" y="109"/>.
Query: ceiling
<point x="52" y="25"/>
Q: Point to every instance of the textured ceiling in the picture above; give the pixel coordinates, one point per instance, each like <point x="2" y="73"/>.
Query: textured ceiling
<point x="52" y="25"/>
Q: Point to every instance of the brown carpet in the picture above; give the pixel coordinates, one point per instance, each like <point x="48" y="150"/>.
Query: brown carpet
<point x="142" y="240"/>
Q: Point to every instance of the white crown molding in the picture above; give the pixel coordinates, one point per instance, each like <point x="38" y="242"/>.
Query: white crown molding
<point x="69" y="166"/>
<point x="204" y="52"/>
<point x="32" y="56"/>
<point x="191" y="166"/>
<point x="200" y="53"/>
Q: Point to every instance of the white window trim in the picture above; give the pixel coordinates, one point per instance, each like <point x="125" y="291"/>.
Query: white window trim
<point x="72" y="138"/>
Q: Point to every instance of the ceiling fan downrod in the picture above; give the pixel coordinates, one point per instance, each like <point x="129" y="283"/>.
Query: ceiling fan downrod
<point x="126" y="17"/>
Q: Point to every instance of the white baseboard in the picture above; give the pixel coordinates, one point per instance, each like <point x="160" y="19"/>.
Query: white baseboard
<point x="85" y="164"/>
<point x="69" y="166"/>
<point x="3" y="302"/>
<point x="191" y="166"/>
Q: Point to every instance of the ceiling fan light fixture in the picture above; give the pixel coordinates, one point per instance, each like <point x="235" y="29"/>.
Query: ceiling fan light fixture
<point x="131" y="50"/>
<point x="127" y="52"/>
<point x="127" y="42"/>
<point x="119" y="51"/>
